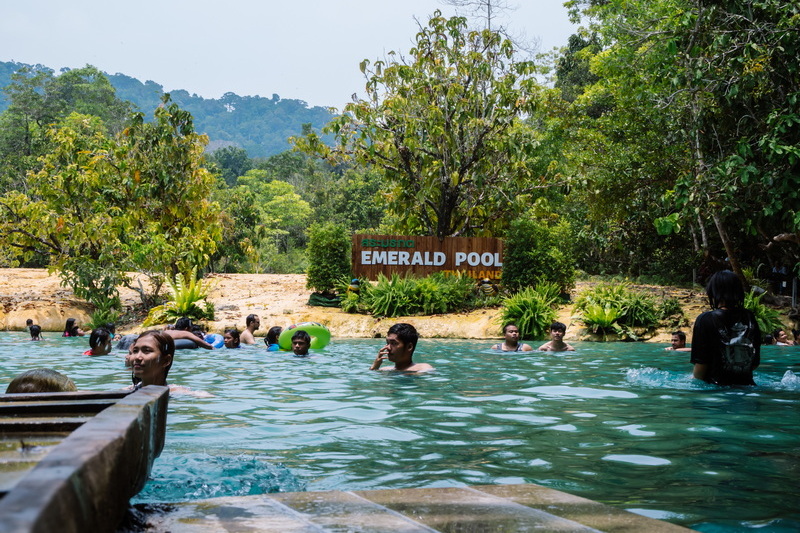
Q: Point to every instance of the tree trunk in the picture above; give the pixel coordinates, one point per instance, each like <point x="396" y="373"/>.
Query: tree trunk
<point x="726" y="242"/>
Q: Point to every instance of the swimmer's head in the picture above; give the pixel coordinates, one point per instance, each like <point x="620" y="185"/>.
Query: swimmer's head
<point x="40" y="380"/>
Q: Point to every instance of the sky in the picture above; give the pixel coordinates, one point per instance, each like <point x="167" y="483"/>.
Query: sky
<point x="307" y="50"/>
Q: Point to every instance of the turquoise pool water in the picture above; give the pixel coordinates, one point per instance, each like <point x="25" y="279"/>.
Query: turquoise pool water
<point x="619" y="423"/>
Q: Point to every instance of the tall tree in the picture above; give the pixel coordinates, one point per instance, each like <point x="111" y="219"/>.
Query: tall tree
<point x="444" y="126"/>
<point x="103" y="206"/>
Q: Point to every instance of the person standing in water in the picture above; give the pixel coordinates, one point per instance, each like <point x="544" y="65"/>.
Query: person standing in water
<point x="557" y="344"/>
<point x="678" y="342"/>
<point x="401" y="341"/>
<point x="252" y="323"/>
<point x="511" y="342"/>
<point x="726" y="341"/>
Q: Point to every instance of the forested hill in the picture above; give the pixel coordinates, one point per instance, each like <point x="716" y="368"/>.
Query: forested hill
<point x="259" y="125"/>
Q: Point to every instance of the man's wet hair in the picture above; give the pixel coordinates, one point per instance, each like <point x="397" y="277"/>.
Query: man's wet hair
<point x="558" y="326"/>
<point x="406" y="333"/>
<point x="301" y="335"/>
<point x="35" y="331"/>
<point x="681" y="335"/>
<point x="250" y="319"/>
<point x="184" y="323"/>
<point x="508" y="326"/>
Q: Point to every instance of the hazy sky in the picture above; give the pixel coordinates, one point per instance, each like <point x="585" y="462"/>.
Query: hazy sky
<point x="301" y="49"/>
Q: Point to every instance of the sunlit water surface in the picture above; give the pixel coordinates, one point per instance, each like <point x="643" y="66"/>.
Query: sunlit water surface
<point x="623" y="424"/>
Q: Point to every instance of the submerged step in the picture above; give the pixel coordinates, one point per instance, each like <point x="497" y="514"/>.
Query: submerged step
<point x="509" y="508"/>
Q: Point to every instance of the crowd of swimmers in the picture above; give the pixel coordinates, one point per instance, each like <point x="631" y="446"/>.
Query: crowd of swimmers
<point x="150" y="354"/>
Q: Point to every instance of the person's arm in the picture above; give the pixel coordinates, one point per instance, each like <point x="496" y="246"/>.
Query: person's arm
<point x="527" y="348"/>
<point x="180" y="334"/>
<point x="700" y="371"/>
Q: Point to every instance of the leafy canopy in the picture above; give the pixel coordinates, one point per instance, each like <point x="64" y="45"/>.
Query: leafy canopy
<point x="444" y="126"/>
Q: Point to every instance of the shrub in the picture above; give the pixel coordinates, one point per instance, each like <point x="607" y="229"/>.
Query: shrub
<point x="186" y="292"/>
<point x="768" y="319"/>
<point x="532" y="310"/>
<point x="537" y="251"/>
<point x="106" y="312"/>
<point x="328" y="256"/>
<point x="619" y="307"/>
<point x="407" y="295"/>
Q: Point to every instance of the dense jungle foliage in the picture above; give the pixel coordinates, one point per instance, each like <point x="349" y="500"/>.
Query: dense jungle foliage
<point x="666" y="146"/>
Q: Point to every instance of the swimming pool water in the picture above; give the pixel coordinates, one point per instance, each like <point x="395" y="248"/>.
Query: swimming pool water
<point x="621" y="423"/>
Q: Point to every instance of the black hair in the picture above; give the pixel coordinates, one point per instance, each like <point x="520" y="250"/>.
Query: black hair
<point x="166" y="344"/>
<point x="70" y="329"/>
<point x="558" y="326"/>
<point x="302" y="335"/>
<point x="35" y="331"/>
<point x="111" y="327"/>
<point x="233" y="332"/>
<point x="250" y="319"/>
<point x="777" y="332"/>
<point x="273" y="334"/>
<point x="681" y="335"/>
<point x="725" y="289"/>
<point x="506" y="327"/>
<point x="184" y="323"/>
<point x="406" y="333"/>
<point x="99" y="337"/>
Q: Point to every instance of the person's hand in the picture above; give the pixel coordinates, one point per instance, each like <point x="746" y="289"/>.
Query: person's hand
<point x="383" y="354"/>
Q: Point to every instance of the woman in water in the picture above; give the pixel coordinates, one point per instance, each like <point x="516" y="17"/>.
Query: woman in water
<point x="71" y="329"/>
<point x="150" y="357"/>
<point x="726" y="341"/>
<point x="271" y="340"/>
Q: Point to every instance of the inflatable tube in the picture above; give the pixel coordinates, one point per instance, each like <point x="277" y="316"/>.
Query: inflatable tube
<point x="127" y="341"/>
<point x="215" y="339"/>
<point x="320" y="335"/>
<point x="185" y="344"/>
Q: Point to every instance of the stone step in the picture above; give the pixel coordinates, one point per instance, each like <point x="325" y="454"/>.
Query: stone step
<point x="495" y="508"/>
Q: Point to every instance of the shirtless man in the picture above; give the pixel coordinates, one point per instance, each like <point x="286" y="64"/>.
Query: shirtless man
<point x="678" y="342"/>
<point x="252" y="323"/>
<point x="557" y="344"/>
<point x="511" y="342"/>
<point x="400" y="344"/>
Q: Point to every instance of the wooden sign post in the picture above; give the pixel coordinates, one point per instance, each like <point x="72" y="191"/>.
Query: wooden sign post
<point x="478" y="257"/>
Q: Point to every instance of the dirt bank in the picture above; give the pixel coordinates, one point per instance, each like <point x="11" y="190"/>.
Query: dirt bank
<point x="279" y="299"/>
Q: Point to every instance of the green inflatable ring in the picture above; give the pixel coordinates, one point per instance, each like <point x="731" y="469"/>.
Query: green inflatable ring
<point x="320" y="335"/>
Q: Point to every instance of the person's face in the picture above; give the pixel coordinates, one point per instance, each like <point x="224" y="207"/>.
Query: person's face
<point x="300" y="346"/>
<point x="512" y="334"/>
<point x="396" y="349"/>
<point x="677" y="342"/>
<point x="147" y="361"/>
<point x="257" y="323"/>
<point x="230" y="341"/>
<point x="782" y="337"/>
<point x="557" y="335"/>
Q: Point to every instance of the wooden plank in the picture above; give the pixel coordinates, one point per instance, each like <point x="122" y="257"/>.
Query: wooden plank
<point x="86" y="481"/>
<point x="92" y="406"/>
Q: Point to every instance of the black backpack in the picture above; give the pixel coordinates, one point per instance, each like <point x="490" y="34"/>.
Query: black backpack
<point x="738" y="352"/>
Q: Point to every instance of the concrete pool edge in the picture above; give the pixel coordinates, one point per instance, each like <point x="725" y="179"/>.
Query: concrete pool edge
<point x="474" y="508"/>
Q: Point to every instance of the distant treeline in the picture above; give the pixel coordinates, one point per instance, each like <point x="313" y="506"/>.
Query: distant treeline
<point x="259" y="125"/>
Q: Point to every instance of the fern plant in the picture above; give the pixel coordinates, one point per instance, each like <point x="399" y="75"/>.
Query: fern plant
<point x="187" y="299"/>
<point x="768" y="319"/>
<point x="532" y="310"/>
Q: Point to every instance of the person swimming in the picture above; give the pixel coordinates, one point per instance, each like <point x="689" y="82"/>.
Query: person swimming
<point x="40" y="380"/>
<point x="271" y="340"/>
<point x="72" y="329"/>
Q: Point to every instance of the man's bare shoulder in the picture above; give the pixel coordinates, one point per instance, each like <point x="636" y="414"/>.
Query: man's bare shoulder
<point x="419" y="367"/>
<point x="546" y="347"/>
<point x="526" y="348"/>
